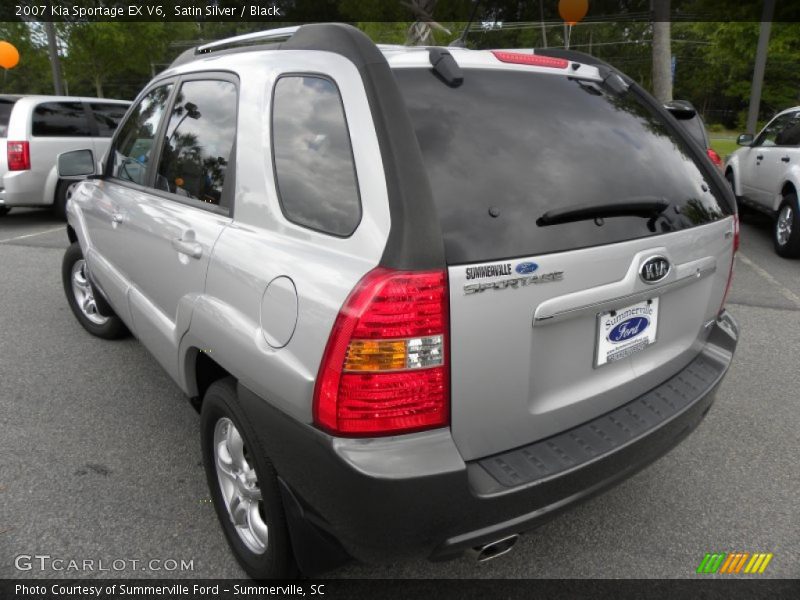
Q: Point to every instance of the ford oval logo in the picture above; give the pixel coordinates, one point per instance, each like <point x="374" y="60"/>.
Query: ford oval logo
<point x="654" y="269"/>
<point x="628" y="329"/>
<point x="526" y="268"/>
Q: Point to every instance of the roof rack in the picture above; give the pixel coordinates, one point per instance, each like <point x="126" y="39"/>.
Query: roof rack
<point x="282" y="33"/>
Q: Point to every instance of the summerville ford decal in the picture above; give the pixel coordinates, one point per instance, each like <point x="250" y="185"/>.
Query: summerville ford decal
<point x="527" y="271"/>
<point x="628" y="329"/>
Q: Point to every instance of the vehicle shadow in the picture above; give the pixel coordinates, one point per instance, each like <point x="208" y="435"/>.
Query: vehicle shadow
<point x="756" y="219"/>
<point x="25" y="217"/>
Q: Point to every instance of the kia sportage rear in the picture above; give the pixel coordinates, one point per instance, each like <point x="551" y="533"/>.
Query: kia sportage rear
<point x="437" y="296"/>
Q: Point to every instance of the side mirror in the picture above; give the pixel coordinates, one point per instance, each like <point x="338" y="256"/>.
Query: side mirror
<point x="745" y="139"/>
<point x="76" y="164"/>
<point x="681" y="109"/>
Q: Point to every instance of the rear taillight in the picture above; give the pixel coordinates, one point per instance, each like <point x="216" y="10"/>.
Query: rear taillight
<point x="715" y="158"/>
<point x="530" y="59"/>
<point x="19" y="156"/>
<point x="733" y="259"/>
<point x="385" y="369"/>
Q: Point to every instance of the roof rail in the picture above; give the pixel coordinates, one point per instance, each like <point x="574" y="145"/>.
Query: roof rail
<point x="282" y="33"/>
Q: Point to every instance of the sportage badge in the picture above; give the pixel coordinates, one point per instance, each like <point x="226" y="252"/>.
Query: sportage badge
<point x="654" y="269"/>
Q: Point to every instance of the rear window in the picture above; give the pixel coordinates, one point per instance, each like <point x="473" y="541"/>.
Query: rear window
<point x="107" y="117"/>
<point x="60" y="119"/>
<point x="6" y="106"/>
<point x="505" y="147"/>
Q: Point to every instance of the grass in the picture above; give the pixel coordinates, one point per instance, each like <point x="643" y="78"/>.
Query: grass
<point x="723" y="142"/>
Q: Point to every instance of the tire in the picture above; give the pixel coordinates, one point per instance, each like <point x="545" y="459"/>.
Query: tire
<point x="222" y="425"/>
<point x="63" y="193"/>
<point x="786" y="228"/>
<point x="80" y="296"/>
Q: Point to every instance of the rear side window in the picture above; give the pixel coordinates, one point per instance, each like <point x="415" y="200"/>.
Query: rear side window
<point x="506" y="147"/>
<point x="198" y="141"/>
<point x="6" y="106"/>
<point x="60" y="119"/>
<point x="789" y="135"/>
<point x="314" y="167"/>
<point x="770" y="135"/>
<point x="107" y="117"/>
<point x="134" y="144"/>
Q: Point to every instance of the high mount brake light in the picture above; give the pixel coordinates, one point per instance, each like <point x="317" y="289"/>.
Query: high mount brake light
<point x="385" y="369"/>
<point x="533" y="60"/>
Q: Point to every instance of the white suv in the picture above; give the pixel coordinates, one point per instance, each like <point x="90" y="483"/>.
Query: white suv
<point x="34" y="130"/>
<point x="765" y="175"/>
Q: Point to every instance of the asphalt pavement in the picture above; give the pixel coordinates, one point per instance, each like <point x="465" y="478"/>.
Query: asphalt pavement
<point x="100" y="458"/>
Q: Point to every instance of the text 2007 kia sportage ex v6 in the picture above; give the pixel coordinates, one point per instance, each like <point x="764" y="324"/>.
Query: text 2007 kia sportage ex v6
<point x="423" y="298"/>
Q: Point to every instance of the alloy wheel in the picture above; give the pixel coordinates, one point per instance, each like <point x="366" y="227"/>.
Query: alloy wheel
<point x="84" y="295"/>
<point x="239" y="486"/>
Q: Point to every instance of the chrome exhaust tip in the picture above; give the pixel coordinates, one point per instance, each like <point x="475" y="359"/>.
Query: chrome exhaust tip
<point x="495" y="549"/>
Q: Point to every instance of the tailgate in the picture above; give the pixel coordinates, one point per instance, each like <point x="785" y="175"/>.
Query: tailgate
<point x="588" y="245"/>
<point x="525" y="356"/>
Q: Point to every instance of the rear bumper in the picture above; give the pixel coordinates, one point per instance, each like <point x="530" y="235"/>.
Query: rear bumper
<point x="21" y="188"/>
<point x="389" y="498"/>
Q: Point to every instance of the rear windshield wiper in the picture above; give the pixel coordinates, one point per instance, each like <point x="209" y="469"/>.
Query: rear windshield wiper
<point x="645" y="207"/>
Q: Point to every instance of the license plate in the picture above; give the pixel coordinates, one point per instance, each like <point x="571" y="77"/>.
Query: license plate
<point x="626" y="331"/>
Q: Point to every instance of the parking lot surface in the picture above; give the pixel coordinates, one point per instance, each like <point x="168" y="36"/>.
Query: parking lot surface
<point x="100" y="454"/>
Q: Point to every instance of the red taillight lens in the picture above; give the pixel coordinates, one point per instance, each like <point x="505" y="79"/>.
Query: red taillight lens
<point x="733" y="260"/>
<point x="715" y="158"/>
<point x="530" y="59"/>
<point x="19" y="156"/>
<point x="385" y="369"/>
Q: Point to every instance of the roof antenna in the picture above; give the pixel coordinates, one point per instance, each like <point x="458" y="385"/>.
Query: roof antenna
<point x="461" y="41"/>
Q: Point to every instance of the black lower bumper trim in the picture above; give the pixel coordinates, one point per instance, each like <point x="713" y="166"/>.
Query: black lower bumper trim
<point x="393" y="498"/>
<point x="575" y="447"/>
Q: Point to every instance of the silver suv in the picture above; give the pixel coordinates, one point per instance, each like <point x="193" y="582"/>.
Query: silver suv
<point x="34" y="130"/>
<point x="424" y="299"/>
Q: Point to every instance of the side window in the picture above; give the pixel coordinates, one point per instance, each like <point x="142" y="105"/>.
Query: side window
<point x="6" y="106"/>
<point x="134" y="144"/>
<point x="107" y="117"/>
<point x="789" y="135"/>
<point x="60" y="119"/>
<point x="198" y="141"/>
<point x="769" y="136"/>
<point x="314" y="167"/>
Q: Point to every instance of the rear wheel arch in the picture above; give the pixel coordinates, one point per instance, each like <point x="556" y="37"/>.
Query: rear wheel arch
<point x="788" y="188"/>
<point x="201" y="372"/>
<point x="71" y="235"/>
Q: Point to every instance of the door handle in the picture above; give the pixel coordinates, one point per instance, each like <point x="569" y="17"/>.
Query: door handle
<point x="117" y="218"/>
<point x="188" y="247"/>
<point x="759" y="157"/>
<point x="785" y="159"/>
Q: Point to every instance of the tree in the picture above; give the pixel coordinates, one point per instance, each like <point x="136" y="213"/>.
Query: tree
<point x="32" y="74"/>
<point x="110" y="55"/>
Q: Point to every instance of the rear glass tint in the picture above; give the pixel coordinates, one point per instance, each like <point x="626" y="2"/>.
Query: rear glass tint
<point x="517" y="145"/>
<point x="6" y="106"/>
<point x="107" y="117"/>
<point x="60" y="119"/>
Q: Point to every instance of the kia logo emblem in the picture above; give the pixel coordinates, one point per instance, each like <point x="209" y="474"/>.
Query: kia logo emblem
<point x="654" y="269"/>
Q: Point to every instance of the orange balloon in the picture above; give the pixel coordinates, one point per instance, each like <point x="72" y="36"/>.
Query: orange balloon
<point x="573" y="11"/>
<point x="9" y="55"/>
